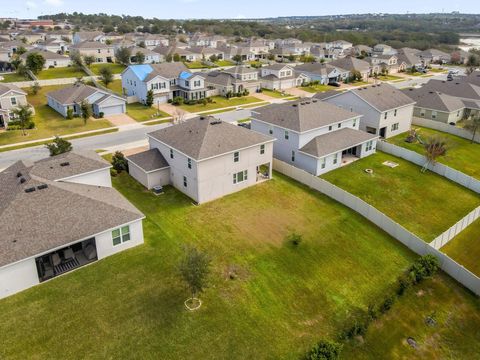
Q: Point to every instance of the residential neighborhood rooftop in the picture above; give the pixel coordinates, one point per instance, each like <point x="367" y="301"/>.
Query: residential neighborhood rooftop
<point x="149" y="160"/>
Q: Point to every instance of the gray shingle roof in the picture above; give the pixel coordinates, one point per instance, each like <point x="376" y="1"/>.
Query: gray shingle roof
<point x="313" y="114"/>
<point x="5" y="88"/>
<point x="204" y="137"/>
<point x="166" y="70"/>
<point x="47" y="55"/>
<point x="149" y="160"/>
<point x="73" y="94"/>
<point x="383" y="97"/>
<point x="457" y="88"/>
<point x="36" y="222"/>
<point x="434" y="100"/>
<point x="350" y="64"/>
<point x="336" y="141"/>
<point x="91" y="45"/>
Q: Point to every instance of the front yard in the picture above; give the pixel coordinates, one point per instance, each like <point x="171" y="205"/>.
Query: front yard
<point x="275" y="93"/>
<point x="389" y="77"/>
<point x="318" y="88"/>
<point x="115" y="86"/>
<point x="140" y="112"/>
<point x="48" y="122"/>
<point x="116" y="68"/>
<point x="416" y="200"/>
<point x="196" y="65"/>
<point x="13" y="77"/>
<point x="224" y="63"/>
<point x="60" y="73"/>
<point x="461" y="155"/>
<point x="220" y="102"/>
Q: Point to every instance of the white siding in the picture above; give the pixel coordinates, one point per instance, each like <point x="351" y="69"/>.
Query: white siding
<point x="17" y="277"/>
<point x="96" y="178"/>
<point x="105" y="245"/>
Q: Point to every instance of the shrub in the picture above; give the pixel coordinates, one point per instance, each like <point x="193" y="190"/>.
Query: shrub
<point x="423" y="268"/>
<point x="294" y="238"/>
<point x="387" y="304"/>
<point x="69" y="113"/>
<point x="372" y="312"/>
<point x="119" y="162"/>
<point x="113" y="172"/>
<point x="58" y="146"/>
<point x="101" y="114"/>
<point x="358" y="328"/>
<point x="324" y="350"/>
<point x="177" y="100"/>
<point x="169" y="101"/>
<point x="404" y="282"/>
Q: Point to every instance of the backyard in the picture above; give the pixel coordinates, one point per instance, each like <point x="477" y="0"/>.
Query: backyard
<point x="219" y="102"/>
<point x="465" y="248"/>
<point x="115" y="86"/>
<point x="13" y="77"/>
<point x="411" y="198"/>
<point x="196" y="65"/>
<point x="461" y="154"/>
<point x="48" y="122"/>
<point x="224" y="63"/>
<point x="140" y="112"/>
<point x="116" y="68"/>
<point x="60" y="73"/>
<point x="318" y="88"/>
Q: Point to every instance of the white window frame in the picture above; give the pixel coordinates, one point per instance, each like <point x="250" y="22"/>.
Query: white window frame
<point x="236" y="156"/>
<point x="121" y="235"/>
<point x="13" y="100"/>
<point x="395" y="127"/>
<point x="262" y="149"/>
<point x="244" y="174"/>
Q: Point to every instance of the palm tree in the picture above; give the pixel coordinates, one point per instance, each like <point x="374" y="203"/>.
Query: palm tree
<point x="472" y="125"/>
<point x="23" y="114"/>
<point x="434" y="147"/>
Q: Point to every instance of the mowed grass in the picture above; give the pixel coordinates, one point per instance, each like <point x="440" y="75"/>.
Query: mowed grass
<point x="275" y="93"/>
<point x="413" y="199"/>
<point x="465" y="248"/>
<point x="390" y="78"/>
<point x="13" y="77"/>
<point x="140" y="112"/>
<point x="224" y="63"/>
<point x="318" y="88"/>
<point x="462" y="154"/>
<point x="220" y="102"/>
<point x="60" y="73"/>
<point x="48" y="122"/>
<point x="116" y="68"/>
<point x="115" y="86"/>
<point x="283" y="300"/>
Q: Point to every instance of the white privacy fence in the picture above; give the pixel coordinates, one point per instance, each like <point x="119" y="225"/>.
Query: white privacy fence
<point x="62" y="81"/>
<point x="412" y="241"/>
<point x="450" y="129"/>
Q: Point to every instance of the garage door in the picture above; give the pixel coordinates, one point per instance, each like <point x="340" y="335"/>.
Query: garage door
<point x="112" y="110"/>
<point x="161" y="99"/>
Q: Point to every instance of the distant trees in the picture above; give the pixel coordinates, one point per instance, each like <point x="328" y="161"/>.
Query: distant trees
<point x="35" y="62"/>
<point x="106" y="75"/>
<point x="123" y="55"/>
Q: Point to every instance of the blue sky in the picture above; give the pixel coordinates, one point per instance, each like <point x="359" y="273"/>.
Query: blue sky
<point x="165" y="9"/>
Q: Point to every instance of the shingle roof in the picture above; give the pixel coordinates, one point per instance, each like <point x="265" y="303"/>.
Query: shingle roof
<point x="47" y="55"/>
<point x="313" y="114"/>
<point x="458" y="88"/>
<point x="434" y="100"/>
<point x="91" y="45"/>
<point x="350" y="64"/>
<point x="5" y="88"/>
<point x="240" y="70"/>
<point x="35" y="222"/>
<point x="166" y="70"/>
<point x="383" y="97"/>
<point x="73" y="94"/>
<point x="336" y="141"/>
<point x="204" y="137"/>
<point x="149" y="160"/>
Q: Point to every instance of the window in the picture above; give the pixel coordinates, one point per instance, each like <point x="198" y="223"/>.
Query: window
<point x="270" y="131"/>
<point x="354" y="122"/>
<point x="323" y="163"/>
<point x="339" y="125"/>
<point x="394" y="127"/>
<point x="185" y="181"/>
<point x="330" y="128"/>
<point x="196" y="83"/>
<point x="286" y="135"/>
<point x="13" y="100"/>
<point x="171" y="153"/>
<point x="240" y="177"/>
<point x="189" y="163"/>
<point x="395" y="112"/>
<point x="369" y="146"/>
<point x="293" y="156"/>
<point x="121" y="235"/>
<point x="335" y="159"/>
<point x="236" y="156"/>
<point x="262" y="149"/>
<point x="434" y="114"/>
<point x="422" y="112"/>
<point x="187" y="83"/>
<point x="385" y="116"/>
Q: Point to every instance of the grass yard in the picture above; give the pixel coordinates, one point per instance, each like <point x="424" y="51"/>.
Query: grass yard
<point x="406" y="195"/>
<point x="465" y="248"/>
<point x="196" y="65"/>
<point x="48" y="122"/>
<point x="275" y="93"/>
<point x="140" y="112"/>
<point x="115" y="86"/>
<point x="224" y="63"/>
<point x="220" y="102"/>
<point x="318" y="88"/>
<point x="116" y="68"/>
<point x="60" y="73"/>
<point x="389" y="77"/>
<point x="461" y="155"/>
<point x="13" y="77"/>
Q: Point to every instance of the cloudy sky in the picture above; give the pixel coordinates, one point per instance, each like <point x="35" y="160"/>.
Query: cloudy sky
<point x="167" y="9"/>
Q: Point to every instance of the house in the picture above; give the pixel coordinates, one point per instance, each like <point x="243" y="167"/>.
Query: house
<point x="101" y="52"/>
<point x="65" y="35"/>
<point x="324" y="73"/>
<point x="382" y="49"/>
<point x="82" y="36"/>
<point x="349" y="65"/>
<point x="59" y="46"/>
<point x="281" y="77"/>
<point x="151" y="41"/>
<point x="103" y="103"/>
<point x="151" y="57"/>
<point x="313" y="135"/>
<point x="362" y="50"/>
<point x="340" y="44"/>
<point x="51" y="59"/>
<point x="9" y="48"/>
<point x="434" y="56"/>
<point x="207" y="52"/>
<point x="183" y="53"/>
<point x="204" y="158"/>
<point x="166" y="80"/>
<point x="10" y="97"/>
<point x="59" y="214"/>
<point x="386" y="62"/>
<point x="386" y="110"/>
<point x="30" y="37"/>
<point x="409" y="57"/>
<point x="233" y="80"/>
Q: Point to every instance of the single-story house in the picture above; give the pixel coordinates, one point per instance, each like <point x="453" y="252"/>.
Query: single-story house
<point x="52" y="59"/>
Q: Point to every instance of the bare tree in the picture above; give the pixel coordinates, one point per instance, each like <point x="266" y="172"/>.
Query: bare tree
<point x="472" y="125"/>
<point x="434" y="147"/>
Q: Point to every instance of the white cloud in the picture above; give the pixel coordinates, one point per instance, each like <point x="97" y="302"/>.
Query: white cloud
<point x="55" y="3"/>
<point x="31" y="4"/>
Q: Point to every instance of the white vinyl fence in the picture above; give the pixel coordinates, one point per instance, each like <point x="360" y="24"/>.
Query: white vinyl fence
<point x="443" y="170"/>
<point x="412" y="241"/>
<point x="63" y="81"/>
<point x="450" y="129"/>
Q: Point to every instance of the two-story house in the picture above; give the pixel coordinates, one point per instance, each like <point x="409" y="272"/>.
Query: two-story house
<point x="281" y="77"/>
<point x="204" y="158"/>
<point x="324" y="73"/>
<point x="59" y="46"/>
<point x="101" y="52"/>
<point x="233" y="80"/>
<point x="313" y="135"/>
<point x="82" y="36"/>
<point x="386" y="110"/>
<point x="10" y="98"/>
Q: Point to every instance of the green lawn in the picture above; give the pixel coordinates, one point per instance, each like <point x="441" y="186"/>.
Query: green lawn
<point x="275" y="93"/>
<point x="13" y="77"/>
<point x="196" y="65"/>
<point x="140" y="112"/>
<point x="220" y="102"/>
<point x="224" y="63"/>
<point x="318" y="88"/>
<point x="410" y="197"/>
<point x="115" y="86"/>
<point x="390" y="77"/>
<point x="48" y="122"/>
<point x="116" y="68"/>
<point x="60" y="73"/>
<point x="461" y="155"/>
<point x="465" y="248"/>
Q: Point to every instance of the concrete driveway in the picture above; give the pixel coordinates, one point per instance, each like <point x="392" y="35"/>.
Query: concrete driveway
<point x="120" y="119"/>
<point x="299" y="92"/>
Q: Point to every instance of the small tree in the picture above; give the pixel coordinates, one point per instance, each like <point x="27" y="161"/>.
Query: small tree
<point x="142" y="45"/>
<point x="76" y="59"/>
<point x="58" y="146"/>
<point x="139" y="57"/>
<point x="324" y="350"/>
<point x="169" y="58"/>
<point x="21" y="50"/>
<point x="434" y="147"/>
<point x="213" y="58"/>
<point x="23" y="114"/>
<point x="194" y="269"/>
<point x="149" y="98"/>
<point x="237" y="58"/>
<point x="106" y="75"/>
<point x="123" y="55"/>
<point x="35" y="62"/>
<point x="176" y="57"/>
<point x="86" y="109"/>
<point x="472" y="125"/>
<point x="89" y="60"/>
<point x="35" y="88"/>
<point x="119" y="162"/>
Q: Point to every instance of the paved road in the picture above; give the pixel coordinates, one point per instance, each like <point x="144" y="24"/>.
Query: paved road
<point x="418" y="80"/>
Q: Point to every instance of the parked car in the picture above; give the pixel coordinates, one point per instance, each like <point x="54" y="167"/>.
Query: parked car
<point x="334" y="84"/>
<point x="454" y="72"/>
<point x="449" y="77"/>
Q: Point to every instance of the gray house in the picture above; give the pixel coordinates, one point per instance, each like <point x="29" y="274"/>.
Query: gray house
<point x="71" y="97"/>
<point x="11" y="97"/>
<point x="313" y="135"/>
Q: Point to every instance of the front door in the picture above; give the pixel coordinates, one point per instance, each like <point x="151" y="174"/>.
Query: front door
<point x="2" y="122"/>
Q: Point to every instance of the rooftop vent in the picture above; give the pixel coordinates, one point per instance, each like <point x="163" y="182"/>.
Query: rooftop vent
<point x="215" y="122"/>
<point x="29" y="190"/>
<point x="22" y="180"/>
<point x="202" y="117"/>
<point x="19" y="174"/>
<point x="314" y="101"/>
<point x="63" y="164"/>
<point x="307" y="102"/>
<point x="42" y="186"/>
<point x="295" y="105"/>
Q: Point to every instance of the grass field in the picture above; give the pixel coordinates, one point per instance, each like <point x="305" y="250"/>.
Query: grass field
<point x="60" y="73"/>
<point x="116" y="68"/>
<point x="389" y="77"/>
<point x="461" y="155"/>
<point x="220" y="102"/>
<point x="196" y="65"/>
<point x="224" y="63"/>
<point x="410" y="197"/>
<point x="318" y="88"/>
<point x="13" y="77"/>
<point x="48" y="122"/>
<point x="115" y="86"/>
<point x="140" y="112"/>
<point x="275" y="93"/>
<point x="465" y="248"/>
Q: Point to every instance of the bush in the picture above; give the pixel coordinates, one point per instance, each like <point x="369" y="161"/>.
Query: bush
<point x="101" y="114"/>
<point x="324" y="350"/>
<point x="294" y="238"/>
<point x="169" y="101"/>
<point x="113" y="172"/>
<point x="387" y="304"/>
<point x="423" y="268"/>
<point x="119" y="162"/>
<point x="69" y="113"/>
<point x="177" y="100"/>
<point x="358" y="328"/>
<point x="404" y="282"/>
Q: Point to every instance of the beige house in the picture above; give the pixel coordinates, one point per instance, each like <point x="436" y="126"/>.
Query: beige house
<point x="204" y="158"/>
<point x="101" y="52"/>
<point x="10" y="98"/>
